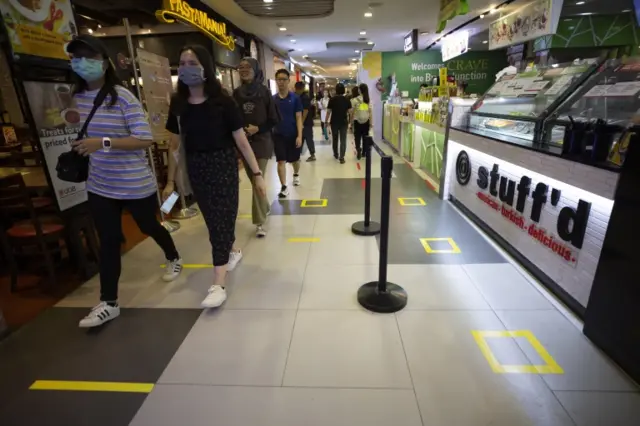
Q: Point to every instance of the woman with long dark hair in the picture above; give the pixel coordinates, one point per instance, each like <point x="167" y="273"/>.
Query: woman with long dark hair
<point x="208" y="121"/>
<point x="363" y="119"/>
<point x="119" y="173"/>
<point x="355" y="92"/>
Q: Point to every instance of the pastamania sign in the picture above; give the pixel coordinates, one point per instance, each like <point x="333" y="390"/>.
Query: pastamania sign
<point x="181" y="10"/>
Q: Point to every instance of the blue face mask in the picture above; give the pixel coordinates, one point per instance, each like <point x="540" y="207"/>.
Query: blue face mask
<point x="191" y="75"/>
<point x="88" y="69"/>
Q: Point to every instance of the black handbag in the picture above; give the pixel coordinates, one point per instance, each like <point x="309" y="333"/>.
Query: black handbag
<point x="74" y="167"/>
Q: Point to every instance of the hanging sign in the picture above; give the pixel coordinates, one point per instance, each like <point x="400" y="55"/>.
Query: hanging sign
<point x="411" y="42"/>
<point x="455" y="45"/>
<point x="449" y="9"/>
<point x="534" y="20"/>
<point x="180" y="10"/>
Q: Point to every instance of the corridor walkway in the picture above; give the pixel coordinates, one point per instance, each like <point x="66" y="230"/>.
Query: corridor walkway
<point x="478" y="344"/>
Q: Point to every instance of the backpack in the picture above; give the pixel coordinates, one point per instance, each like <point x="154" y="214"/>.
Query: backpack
<point x="361" y="111"/>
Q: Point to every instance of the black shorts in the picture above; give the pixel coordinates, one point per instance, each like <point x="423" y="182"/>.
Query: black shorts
<point x="285" y="148"/>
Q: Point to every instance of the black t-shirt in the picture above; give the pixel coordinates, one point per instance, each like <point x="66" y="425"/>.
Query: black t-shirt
<point x="207" y="126"/>
<point x="339" y="106"/>
<point x="306" y="104"/>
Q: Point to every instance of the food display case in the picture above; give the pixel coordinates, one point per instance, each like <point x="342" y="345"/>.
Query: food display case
<point x="598" y="116"/>
<point x="514" y="109"/>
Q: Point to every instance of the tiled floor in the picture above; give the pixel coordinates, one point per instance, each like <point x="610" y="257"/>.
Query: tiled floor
<point x="293" y="347"/>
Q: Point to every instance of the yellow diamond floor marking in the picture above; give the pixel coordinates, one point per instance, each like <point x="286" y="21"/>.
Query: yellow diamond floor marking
<point x="63" y="385"/>
<point x="192" y="266"/>
<point x="412" y="201"/>
<point x="454" y="247"/>
<point x="550" y="366"/>
<point x="303" y="240"/>
<point x="320" y="202"/>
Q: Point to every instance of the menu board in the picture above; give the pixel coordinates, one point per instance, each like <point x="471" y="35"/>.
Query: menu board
<point x="39" y="27"/>
<point x="622" y="89"/>
<point x="156" y="89"/>
<point x="58" y="124"/>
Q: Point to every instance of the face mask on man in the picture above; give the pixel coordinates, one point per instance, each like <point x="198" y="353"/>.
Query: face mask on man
<point x="191" y="75"/>
<point x="88" y="69"/>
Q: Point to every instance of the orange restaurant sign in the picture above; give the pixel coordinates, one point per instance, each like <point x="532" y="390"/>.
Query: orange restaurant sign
<point x="180" y="10"/>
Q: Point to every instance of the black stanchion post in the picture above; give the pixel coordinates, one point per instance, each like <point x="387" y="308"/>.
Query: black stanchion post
<point x="367" y="228"/>
<point x="382" y="296"/>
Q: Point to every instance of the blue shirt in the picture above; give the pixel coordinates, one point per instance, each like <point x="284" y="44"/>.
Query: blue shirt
<point x="288" y="108"/>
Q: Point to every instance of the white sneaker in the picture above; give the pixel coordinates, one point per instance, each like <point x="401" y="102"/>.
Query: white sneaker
<point x="296" y="180"/>
<point x="99" y="315"/>
<point x="234" y="258"/>
<point x="172" y="270"/>
<point x="260" y="232"/>
<point x="216" y="297"/>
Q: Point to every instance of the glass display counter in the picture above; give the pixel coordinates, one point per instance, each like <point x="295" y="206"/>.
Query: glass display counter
<point x="515" y="107"/>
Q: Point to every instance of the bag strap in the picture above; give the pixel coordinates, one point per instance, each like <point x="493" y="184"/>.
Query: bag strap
<point x="99" y="99"/>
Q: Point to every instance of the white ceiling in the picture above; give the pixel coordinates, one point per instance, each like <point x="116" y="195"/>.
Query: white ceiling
<point x="391" y="21"/>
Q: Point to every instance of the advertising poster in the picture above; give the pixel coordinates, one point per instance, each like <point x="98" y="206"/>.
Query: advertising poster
<point x="534" y="20"/>
<point x="58" y="124"/>
<point x="39" y="27"/>
<point x="156" y="89"/>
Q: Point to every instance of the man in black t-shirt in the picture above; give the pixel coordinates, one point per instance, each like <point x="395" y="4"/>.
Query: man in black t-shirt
<point x="308" y="112"/>
<point x="338" y="115"/>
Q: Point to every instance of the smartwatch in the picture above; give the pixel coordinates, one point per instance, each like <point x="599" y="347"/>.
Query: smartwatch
<point x="106" y="144"/>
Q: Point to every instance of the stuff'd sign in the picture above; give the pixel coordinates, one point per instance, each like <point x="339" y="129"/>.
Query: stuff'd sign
<point x="509" y="199"/>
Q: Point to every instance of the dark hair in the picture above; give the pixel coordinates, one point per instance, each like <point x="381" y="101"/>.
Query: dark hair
<point x="283" y="71"/>
<point x="364" y="91"/>
<point x="212" y="87"/>
<point x="355" y="92"/>
<point x="340" y="89"/>
<point x="299" y="85"/>
<point x="111" y="80"/>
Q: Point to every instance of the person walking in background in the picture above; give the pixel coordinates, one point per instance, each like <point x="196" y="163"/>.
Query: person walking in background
<point x="323" y="103"/>
<point x="338" y="115"/>
<point x="287" y="135"/>
<point x="308" y="111"/>
<point x="204" y="117"/>
<point x="355" y="92"/>
<point x="363" y="119"/>
<point x="119" y="173"/>
<point x="260" y="116"/>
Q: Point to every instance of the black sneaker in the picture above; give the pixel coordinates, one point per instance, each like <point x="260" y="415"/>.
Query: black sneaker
<point x="284" y="192"/>
<point x="311" y="158"/>
<point x="335" y="156"/>
<point x="342" y="161"/>
<point x="359" y="155"/>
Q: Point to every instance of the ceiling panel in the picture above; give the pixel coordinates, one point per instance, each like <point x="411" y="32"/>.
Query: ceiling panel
<point x="287" y="8"/>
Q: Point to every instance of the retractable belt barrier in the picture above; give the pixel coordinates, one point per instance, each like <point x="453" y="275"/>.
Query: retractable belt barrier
<point x="379" y="296"/>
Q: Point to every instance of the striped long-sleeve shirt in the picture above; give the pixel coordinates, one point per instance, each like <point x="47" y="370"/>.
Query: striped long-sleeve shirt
<point x="117" y="174"/>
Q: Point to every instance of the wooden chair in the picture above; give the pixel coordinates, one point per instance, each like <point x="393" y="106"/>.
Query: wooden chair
<point x="33" y="237"/>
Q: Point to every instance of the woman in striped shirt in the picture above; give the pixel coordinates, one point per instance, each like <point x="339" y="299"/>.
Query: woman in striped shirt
<point x="119" y="173"/>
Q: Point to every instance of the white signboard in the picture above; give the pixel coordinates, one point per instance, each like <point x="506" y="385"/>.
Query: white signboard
<point x="455" y="45"/>
<point x="534" y="20"/>
<point x="58" y="124"/>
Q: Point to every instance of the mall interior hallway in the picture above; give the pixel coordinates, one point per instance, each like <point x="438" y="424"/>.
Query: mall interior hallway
<point x="292" y="346"/>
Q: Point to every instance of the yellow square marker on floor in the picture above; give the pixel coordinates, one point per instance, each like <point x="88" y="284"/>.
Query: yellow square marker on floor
<point x="244" y="216"/>
<point x="550" y="366"/>
<point x="304" y="240"/>
<point x="412" y="201"/>
<point x="63" y="385"/>
<point x="454" y="247"/>
<point x="321" y="202"/>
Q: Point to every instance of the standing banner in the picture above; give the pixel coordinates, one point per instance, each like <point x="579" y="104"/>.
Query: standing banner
<point x="534" y="20"/>
<point x="157" y="87"/>
<point x="449" y="9"/>
<point x="58" y="124"/>
<point x="39" y="27"/>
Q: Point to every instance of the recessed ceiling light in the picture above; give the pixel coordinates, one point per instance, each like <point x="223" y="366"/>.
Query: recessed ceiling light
<point x="90" y="31"/>
<point x="485" y="41"/>
<point x="586" y="13"/>
<point x="99" y="26"/>
<point x="268" y="1"/>
<point x="357" y="51"/>
<point x="363" y="32"/>
<point x="293" y="40"/>
<point x="482" y="16"/>
<point x="369" y="43"/>
<point x="315" y="60"/>
<point x="305" y="56"/>
<point x="493" y="11"/>
<point x="354" y="59"/>
<point x="626" y="10"/>
<point x="283" y="28"/>
<point x="368" y="14"/>
<point x="579" y="3"/>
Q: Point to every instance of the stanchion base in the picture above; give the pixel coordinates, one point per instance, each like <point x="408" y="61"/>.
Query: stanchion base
<point x="171" y="225"/>
<point x="186" y="213"/>
<point x="359" y="228"/>
<point x="393" y="300"/>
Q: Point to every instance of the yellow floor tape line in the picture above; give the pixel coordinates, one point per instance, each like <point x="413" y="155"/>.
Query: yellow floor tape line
<point x="192" y="266"/>
<point x="303" y="240"/>
<point x="63" y="385"/>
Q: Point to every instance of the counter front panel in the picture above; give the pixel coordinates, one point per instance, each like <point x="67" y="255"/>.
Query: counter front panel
<point x="553" y="212"/>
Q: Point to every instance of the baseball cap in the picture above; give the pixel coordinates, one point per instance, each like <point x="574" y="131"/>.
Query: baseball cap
<point x="85" y="40"/>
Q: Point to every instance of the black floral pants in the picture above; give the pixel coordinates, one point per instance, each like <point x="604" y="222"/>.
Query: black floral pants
<point x="214" y="179"/>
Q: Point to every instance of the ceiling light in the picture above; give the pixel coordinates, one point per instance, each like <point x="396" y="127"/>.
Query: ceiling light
<point x="354" y="59"/>
<point x="90" y="31"/>
<point x="99" y="26"/>
<point x="485" y="41"/>
<point x="626" y="10"/>
<point x="293" y="40"/>
<point x="315" y="60"/>
<point x="482" y="16"/>
<point x="368" y="14"/>
<point x="586" y="13"/>
<point x="492" y="11"/>
<point x="363" y="32"/>
<point x="357" y="51"/>
<point x="305" y="56"/>
<point x="369" y="43"/>
<point x="268" y="1"/>
<point x="283" y="28"/>
<point x="579" y="3"/>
